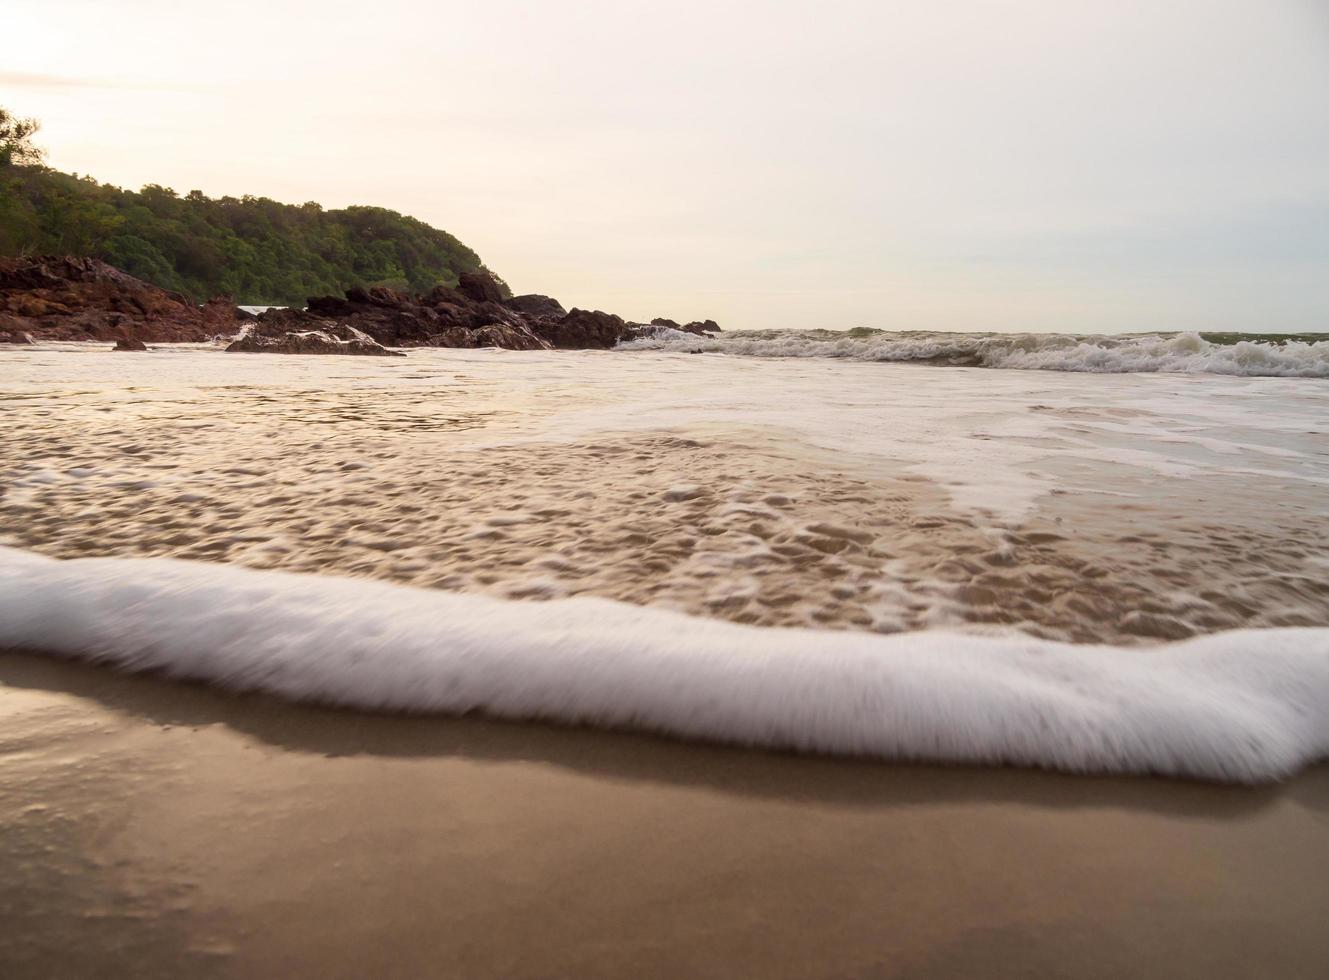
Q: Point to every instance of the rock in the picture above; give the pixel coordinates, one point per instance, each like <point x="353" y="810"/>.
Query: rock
<point x="507" y="336"/>
<point x="583" y="329"/>
<point x="533" y="304"/>
<point x="74" y="298"/>
<point x="699" y="327"/>
<point x="68" y="298"/>
<point x="510" y="336"/>
<point x="15" y="337"/>
<point x="444" y="295"/>
<point x="375" y="296"/>
<point x="443" y="317"/>
<point x="321" y="306"/>
<point x="479" y="287"/>
<point x="333" y="339"/>
<point x="129" y="343"/>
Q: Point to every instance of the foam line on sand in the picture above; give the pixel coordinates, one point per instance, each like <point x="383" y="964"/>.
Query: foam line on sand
<point x="1241" y="706"/>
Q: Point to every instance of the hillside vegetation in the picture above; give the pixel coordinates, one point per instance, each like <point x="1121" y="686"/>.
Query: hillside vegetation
<point x="253" y="249"/>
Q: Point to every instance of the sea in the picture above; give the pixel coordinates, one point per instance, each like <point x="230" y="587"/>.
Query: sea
<point x="1087" y="553"/>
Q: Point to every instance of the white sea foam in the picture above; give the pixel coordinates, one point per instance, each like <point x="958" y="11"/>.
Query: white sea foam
<point x="1185" y="352"/>
<point x="1244" y="706"/>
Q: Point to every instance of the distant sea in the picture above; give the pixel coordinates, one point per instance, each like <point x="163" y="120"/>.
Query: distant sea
<point x="1304" y="355"/>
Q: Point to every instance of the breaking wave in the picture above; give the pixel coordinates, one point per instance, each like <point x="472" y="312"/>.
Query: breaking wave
<point x="1244" y="706"/>
<point x="1246" y="355"/>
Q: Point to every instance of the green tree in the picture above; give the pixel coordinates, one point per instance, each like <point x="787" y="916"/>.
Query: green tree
<point x="252" y="248"/>
<point x="16" y="146"/>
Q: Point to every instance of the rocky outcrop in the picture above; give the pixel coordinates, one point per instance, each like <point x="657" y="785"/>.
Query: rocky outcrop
<point x="534" y="304"/>
<point x="699" y="327"/>
<point x="582" y="329"/>
<point x="72" y="298"/>
<point x="84" y="299"/>
<point x="332" y="339"/>
<point x="443" y="317"/>
<point x="468" y="315"/>
<point x="479" y="288"/>
<point x="129" y="343"/>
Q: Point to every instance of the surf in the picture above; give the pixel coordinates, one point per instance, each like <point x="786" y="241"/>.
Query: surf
<point x="1245" y="706"/>
<point x="1240" y="355"/>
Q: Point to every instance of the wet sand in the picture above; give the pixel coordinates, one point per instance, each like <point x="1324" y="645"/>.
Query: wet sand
<point x="151" y="829"/>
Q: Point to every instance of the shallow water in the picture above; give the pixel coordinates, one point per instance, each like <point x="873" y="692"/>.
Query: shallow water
<point x="1114" y="508"/>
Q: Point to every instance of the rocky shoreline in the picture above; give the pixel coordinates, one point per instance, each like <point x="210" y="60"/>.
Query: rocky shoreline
<point x="72" y="298"/>
<point x="79" y="298"/>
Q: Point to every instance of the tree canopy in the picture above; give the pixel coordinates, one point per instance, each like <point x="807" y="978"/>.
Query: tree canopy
<point x="16" y="146"/>
<point x="253" y="249"/>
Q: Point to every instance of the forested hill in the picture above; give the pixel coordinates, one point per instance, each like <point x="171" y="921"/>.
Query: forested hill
<point x="253" y="249"/>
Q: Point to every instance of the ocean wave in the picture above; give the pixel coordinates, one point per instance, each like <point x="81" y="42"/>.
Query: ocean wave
<point x="1244" y="706"/>
<point x="1190" y="353"/>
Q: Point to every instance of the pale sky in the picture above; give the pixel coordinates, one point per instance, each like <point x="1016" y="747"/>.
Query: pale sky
<point x="966" y="165"/>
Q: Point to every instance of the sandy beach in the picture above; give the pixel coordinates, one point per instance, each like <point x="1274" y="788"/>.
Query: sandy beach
<point x="690" y="491"/>
<point x="158" y="830"/>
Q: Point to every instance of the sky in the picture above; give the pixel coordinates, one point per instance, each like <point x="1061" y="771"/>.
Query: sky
<point x="955" y="165"/>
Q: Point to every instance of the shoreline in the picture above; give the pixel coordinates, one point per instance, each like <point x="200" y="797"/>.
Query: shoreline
<point x="175" y="830"/>
<point x="224" y="834"/>
<point x="1242" y="706"/>
<point x="1110" y="509"/>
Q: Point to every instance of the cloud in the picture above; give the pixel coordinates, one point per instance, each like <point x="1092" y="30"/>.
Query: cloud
<point x="21" y="79"/>
<point x="35" y="80"/>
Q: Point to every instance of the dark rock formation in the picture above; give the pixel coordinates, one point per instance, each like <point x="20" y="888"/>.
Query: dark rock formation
<point x="466" y="316"/>
<point x="129" y="343"/>
<point x="699" y="327"/>
<point x="15" y="337"/>
<point x="443" y="317"/>
<point x="332" y="339"/>
<point x="479" y="288"/>
<point x="584" y="328"/>
<point x="85" y="299"/>
<point x="69" y="298"/>
<point x="534" y="304"/>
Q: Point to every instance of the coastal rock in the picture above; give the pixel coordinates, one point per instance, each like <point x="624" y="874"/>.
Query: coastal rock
<point x="508" y="335"/>
<point x="15" y="337"/>
<point x="129" y="343"/>
<point x="505" y="335"/>
<point x="582" y="329"/>
<point x="69" y="298"/>
<point x="79" y="298"/>
<point x="479" y="287"/>
<point x="533" y="304"/>
<point x="444" y="317"/>
<point x="442" y="295"/>
<point x="376" y="296"/>
<point x="699" y="327"/>
<point x="332" y="339"/>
